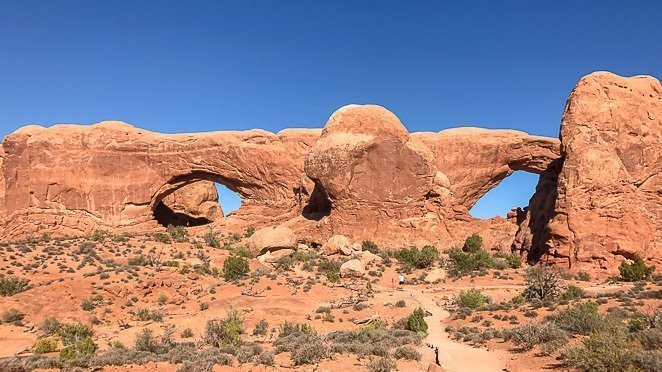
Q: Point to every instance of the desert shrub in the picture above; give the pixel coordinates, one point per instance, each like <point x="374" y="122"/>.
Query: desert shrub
<point x="11" y="285"/>
<point x="583" y="276"/>
<point x="186" y="333"/>
<point x="650" y="339"/>
<point x="581" y="318"/>
<point x="44" y="345"/>
<point x="265" y="358"/>
<point x="138" y="260"/>
<point x="542" y="284"/>
<point x="146" y="315"/>
<point x="250" y="230"/>
<point x="178" y="234"/>
<point x="261" y="328"/>
<point x="414" y="258"/>
<point x="369" y="246"/>
<point x="98" y="236"/>
<point x="224" y="332"/>
<point x="82" y="347"/>
<point x="572" y="292"/>
<point x="146" y="341"/>
<point x="211" y="239"/>
<point x="606" y="349"/>
<point x="400" y="303"/>
<point x="383" y="364"/>
<point x="235" y="268"/>
<point x="12" y="316"/>
<point x="462" y="263"/>
<point x="416" y="321"/>
<point x="514" y="260"/>
<point x="162" y="237"/>
<point x="248" y="353"/>
<point x="635" y="271"/>
<point x="650" y="360"/>
<point x="50" y="326"/>
<point x="472" y="299"/>
<point x="547" y="334"/>
<point x="473" y="243"/>
<point x="87" y="305"/>
<point x="406" y="352"/>
<point x="205" y="360"/>
<point x="305" y="345"/>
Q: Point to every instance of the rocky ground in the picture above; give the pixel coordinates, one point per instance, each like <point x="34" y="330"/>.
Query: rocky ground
<point x="169" y="301"/>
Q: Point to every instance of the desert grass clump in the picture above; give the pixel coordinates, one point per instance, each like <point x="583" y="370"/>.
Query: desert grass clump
<point x="406" y="352"/>
<point x="12" y="316"/>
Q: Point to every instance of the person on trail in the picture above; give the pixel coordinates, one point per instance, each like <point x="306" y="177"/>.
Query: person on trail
<point x="401" y="279"/>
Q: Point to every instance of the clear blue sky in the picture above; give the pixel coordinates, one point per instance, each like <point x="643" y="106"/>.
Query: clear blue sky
<point x="174" y="66"/>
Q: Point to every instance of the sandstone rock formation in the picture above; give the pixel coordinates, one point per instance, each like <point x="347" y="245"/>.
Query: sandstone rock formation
<point x="609" y="191"/>
<point x="363" y="176"/>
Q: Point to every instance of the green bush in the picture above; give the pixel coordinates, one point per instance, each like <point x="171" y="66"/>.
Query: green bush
<point x="85" y="346"/>
<point x="11" y="285"/>
<point x="211" y="239"/>
<point x="473" y="243"/>
<point x="369" y="246"/>
<point x="542" y="284"/>
<point x="416" y="321"/>
<point x="250" y="230"/>
<point x="261" y="328"/>
<point x="71" y="333"/>
<point x="224" y="332"/>
<point x="412" y="257"/>
<point x="462" y="263"/>
<point x="234" y="268"/>
<point x="44" y="345"/>
<point x="178" y="233"/>
<point x="581" y="318"/>
<point x="162" y="238"/>
<point x="572" y="292"/>
<point x="472" y="299"/>
<point x="514" y="260"/>
<point x="635" y="271"/>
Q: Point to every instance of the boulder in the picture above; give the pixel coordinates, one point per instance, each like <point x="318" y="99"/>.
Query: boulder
<point x="271" y="239"/>
<point x="273" y="257"/>
<point x="366" y="257"/>
<point x="352" y="268"/>
<point x="435" y="275"/>
<point x="337" y="244"/>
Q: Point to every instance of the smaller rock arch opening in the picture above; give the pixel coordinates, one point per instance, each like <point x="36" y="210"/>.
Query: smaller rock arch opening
<point x="195" y="200"/>
<point x="513" y="191"/>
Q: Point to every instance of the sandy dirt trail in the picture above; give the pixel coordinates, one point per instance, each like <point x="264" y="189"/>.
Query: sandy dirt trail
<point x="453" y="355"/>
